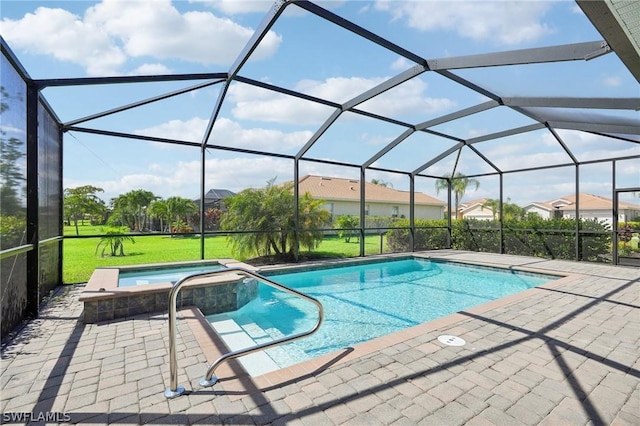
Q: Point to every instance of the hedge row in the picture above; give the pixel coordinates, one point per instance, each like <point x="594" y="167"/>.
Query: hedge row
<point x="553" y="239"/>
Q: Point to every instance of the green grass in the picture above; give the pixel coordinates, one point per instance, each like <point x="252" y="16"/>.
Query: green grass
<point x="84" y="230"/>
<point x="80" y="258"/>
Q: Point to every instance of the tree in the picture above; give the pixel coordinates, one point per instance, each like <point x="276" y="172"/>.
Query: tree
<point x="313" y="217"/>
<point x="212" y="218"/>
<point x="158" y="209"/>
<point x="81" y="201"/>
<point x="178" y="208"/>
<point x="493" y="205"/>
<point x="114" y="241"/>
<point x="268" y="217"/>
<point x="12" y="169"/>
<point x="130" y="209"/>
<point x="345" y="224"/>
<point x="510" y="211"/>
<point x="382" y="183"/>
<point x="459" y="185"/>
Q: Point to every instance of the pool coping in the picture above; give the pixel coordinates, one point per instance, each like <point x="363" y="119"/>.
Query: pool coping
<point x="103" y="300"/>
<point x="236" y="382"/>
<point x="104" y="280"/>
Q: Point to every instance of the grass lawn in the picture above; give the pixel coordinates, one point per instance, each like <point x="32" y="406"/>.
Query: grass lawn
<point x="80" y="257"/>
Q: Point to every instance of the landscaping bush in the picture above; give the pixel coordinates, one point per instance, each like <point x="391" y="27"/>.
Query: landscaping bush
<point x="532" y="236"/>
<point x="476" y="235"/>
<point x="430" y="234"/>
<point x="12" y="230"/>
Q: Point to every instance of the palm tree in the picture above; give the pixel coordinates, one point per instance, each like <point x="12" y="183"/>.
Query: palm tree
<point x="178" y="208"/>
<point x="130" y="208"/>
<point x="268" y="214"/>
<point x="459" y="184"/>
<point x="493" y="205"/>
<point x="158" y="209"/>
<point x="382" y="183"/>
<point x="510" y="211"/>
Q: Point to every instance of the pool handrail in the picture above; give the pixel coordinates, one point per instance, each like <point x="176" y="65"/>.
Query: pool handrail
<point x="174" y="390"/>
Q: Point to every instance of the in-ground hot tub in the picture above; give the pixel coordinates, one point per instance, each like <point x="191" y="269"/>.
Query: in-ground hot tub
<point x="120" y="292"/>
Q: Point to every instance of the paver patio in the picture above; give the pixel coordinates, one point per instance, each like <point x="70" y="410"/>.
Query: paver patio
<point x="563" y="354"/>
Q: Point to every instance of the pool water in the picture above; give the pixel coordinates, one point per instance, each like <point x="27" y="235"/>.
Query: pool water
<point x="361" y="303"/>
<point x="162" y="274"/>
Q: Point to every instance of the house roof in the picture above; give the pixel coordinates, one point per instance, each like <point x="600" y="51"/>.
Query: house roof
<point x="587" y="202"/>
<point x="541" y="204"/>
<point x="468" y="205"/>
<point x="340" y="189"/>
<point x="216" y="195"/>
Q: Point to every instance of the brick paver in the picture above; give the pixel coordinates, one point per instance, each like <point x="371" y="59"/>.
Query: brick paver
<point x="565" y="354"/>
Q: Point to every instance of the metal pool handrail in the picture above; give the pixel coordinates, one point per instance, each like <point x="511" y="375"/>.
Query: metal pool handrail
<point x="174" y="389"/>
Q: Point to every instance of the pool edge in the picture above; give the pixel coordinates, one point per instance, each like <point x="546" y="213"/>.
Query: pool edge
<point x="237" y="382"/>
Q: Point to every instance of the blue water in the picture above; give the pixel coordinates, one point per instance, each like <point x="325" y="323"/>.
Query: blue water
<point x="367" y="301"/>
<point x="161" y="274"/>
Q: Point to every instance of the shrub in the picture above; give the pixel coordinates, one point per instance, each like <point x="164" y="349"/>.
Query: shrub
<point x="113" y="240"/>
<point x="343" y="223"/>
<point x="531" y="236"/>
<point x="430" y="234"/>
<point x="180" y="227"/>
<point x="12" y="230"/>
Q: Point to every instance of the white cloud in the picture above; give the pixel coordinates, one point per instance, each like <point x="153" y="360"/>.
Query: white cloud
<point x="503" y="22"/>
<point x="338" y="89"/>
<point x="66" y="37"/>
<point x="190" y="130"/>
<point x="375" y="139"/>
<point x="401" y="64"/>
<point x="229" y="133"/>
<point x="408" y="98"/>
<point x="612" y="81"/>
<point x="183" y="179"/>
<point x="253" y="103"/>
<point x="238" y="7"/>
<point x="151" y="69"/>
<point x="113" y="31"/>
<point x="159" y="30"/>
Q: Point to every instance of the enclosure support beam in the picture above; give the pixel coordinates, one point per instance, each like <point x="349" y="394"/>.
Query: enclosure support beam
<point x="614" y="211"/>
<point x="362" y="215"/>
<point x="203" y="151"/>
<point x="536" y="55"/>
<point x="578" y="236"/>
<point x="500" y="218"/>
<point x="628" y="129"/>
<point x="449" y="213"/>
<point x="594" y="103"/>
<point x="33" y="281"/>
<point x="412" y="207"/>
<point x="296" y="204"/>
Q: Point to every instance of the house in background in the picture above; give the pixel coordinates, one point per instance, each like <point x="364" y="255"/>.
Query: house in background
<point x="213" y="199"/>
<point x="591" y="207"/>
<point x="342" y="197"/>
<point x="475" y="209"/>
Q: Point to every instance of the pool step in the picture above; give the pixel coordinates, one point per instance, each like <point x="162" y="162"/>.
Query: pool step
<point x="243" y="333"/>
<point x="237" y="338"/>
<point x="266" y="332"/>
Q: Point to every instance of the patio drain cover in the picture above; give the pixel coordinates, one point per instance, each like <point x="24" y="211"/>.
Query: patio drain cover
<point x="451" y="340"/>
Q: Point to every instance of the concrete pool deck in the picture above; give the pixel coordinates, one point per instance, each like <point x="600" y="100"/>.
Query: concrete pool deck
<point x="563" y="354"/>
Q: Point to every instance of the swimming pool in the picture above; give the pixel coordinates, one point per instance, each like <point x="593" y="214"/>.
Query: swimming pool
<point x="120" y="292"/>
<point x="361" y="303"/>
<point x="162" y="274"/>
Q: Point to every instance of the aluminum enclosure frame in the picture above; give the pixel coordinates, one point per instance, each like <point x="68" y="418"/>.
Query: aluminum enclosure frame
<point x="539" y="109"/>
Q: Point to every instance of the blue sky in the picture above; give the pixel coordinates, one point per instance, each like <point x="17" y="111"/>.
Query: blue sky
<point x="58" y="39"/>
